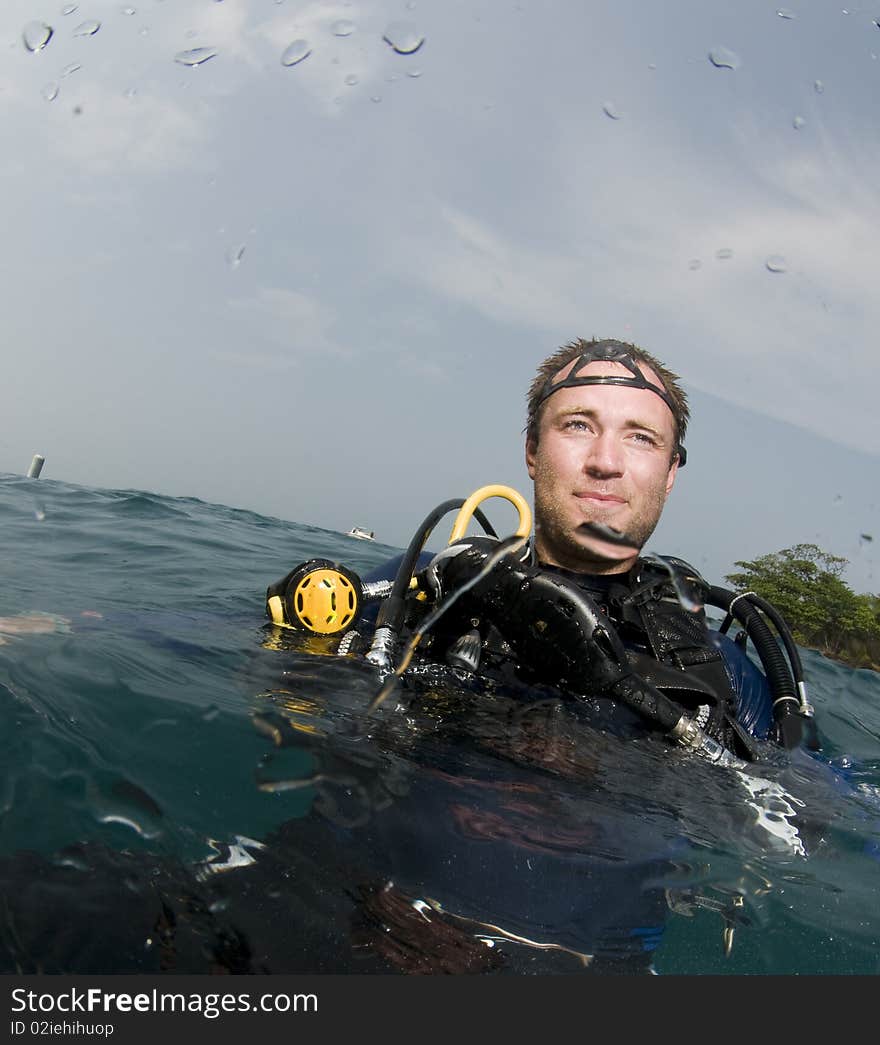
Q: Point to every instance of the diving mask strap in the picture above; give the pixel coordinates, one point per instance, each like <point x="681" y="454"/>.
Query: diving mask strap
<point x="603" y="353"/>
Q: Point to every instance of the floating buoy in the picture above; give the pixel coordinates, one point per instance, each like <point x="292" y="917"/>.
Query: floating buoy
<point x="36" y="466"/>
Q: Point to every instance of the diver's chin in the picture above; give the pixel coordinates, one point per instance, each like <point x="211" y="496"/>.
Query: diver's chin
<point x="606" y="546"/>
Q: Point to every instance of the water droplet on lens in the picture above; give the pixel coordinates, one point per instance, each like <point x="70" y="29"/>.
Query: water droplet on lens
<point x="866" y="537"/>
<point x="694" y="264"/>
<point x="784" y="12"/>
<point x="342" y="28"/>
<point x="375" y="97"/>
<point x="689" y="589"/>
<point x="296" y="52"/>
<point x="724" y="253"/>
<point x="611" y="110"/>
<point x="128" y="11"/>
<point x="72" y="68"/>
<point x="68" y="9"/>
<point x="195" y="57"/>
<point x="36" y="35"/>
<point x="210" y="713"/>
<point x="722" y="58"/>
<point x="818" y="87"/>
<point x="403" y="37"/>
<point x="234" y="256"/>
<point x="414" y="73"/>
<point x="87" y="29"/>
<point x="351" y="79"/>
<point x="776" y="263"/>
<point x="798" y="122"/>
<point x="50" y="92"/>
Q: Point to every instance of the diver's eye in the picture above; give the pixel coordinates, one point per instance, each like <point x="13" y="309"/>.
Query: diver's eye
<point x="646" y="438"/>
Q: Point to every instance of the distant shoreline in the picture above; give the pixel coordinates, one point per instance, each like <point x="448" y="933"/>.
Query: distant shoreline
<point x="861" y="663"/>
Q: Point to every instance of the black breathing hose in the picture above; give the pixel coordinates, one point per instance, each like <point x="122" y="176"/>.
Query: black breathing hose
<point x="784" y="633"/>
<point x="746" y="609"/>
<point x="393" y="609"/>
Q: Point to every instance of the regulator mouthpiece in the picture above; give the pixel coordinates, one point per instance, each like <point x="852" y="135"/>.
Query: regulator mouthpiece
<point x="318" y="596"/>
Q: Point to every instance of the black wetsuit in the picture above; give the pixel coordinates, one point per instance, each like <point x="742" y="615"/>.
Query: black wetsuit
<point x="668" y="639"/>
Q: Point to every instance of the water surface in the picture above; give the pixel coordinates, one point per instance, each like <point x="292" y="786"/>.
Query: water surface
<point x="185" y="789"/>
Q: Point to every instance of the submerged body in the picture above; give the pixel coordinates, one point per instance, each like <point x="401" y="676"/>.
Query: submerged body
<point x="492" y="668"/>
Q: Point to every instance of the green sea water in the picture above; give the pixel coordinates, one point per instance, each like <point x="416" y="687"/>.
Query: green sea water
<point x="138" y="676"/>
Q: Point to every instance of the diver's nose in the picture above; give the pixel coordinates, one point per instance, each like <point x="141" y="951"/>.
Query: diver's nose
<point x="605" y="455"/>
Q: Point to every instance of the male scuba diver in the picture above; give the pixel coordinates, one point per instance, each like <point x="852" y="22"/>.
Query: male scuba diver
<point x="604" y="443"/>
<point x="578" y="607"/>
<point x="609" y="643"/>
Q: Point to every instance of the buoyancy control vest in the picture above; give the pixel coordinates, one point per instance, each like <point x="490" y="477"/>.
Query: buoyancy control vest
<point x="658" y="608"/>
<point x="642" y="639"/>
<point x="656" y="611"/>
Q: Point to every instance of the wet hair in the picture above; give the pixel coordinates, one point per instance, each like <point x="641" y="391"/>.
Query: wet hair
<point x="676" y="397"/>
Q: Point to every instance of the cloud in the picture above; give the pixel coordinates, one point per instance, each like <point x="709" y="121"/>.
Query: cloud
<point x="119" y="134"/>
<point x="336" y="63"/>
<point x="792" y="344"/>
<point x="464" y="258"/>
<point x="297" y="323"/>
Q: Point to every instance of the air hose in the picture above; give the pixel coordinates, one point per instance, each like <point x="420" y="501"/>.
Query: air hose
<point x="790" y="706"/>
<point x="392" y="612"/>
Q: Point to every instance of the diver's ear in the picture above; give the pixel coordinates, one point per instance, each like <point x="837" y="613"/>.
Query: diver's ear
<point x="531" y="452"/>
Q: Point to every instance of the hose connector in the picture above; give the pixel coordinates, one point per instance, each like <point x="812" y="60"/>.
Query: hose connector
<point x="373" y="590"/>
<point x="384" y="646"/>
<point x="689" y="735"/>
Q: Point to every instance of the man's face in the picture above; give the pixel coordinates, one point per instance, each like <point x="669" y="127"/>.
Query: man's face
<point x="602" y="456"/>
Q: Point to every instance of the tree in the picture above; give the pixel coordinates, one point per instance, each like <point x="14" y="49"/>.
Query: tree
<point x="804" y="583"/>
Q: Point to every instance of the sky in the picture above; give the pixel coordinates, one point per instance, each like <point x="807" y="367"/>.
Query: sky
<point x="318" y="289"/>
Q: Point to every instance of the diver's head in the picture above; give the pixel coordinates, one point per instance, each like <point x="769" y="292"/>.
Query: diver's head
<point x="571" y="365"/>
<point x="603" y="446"/>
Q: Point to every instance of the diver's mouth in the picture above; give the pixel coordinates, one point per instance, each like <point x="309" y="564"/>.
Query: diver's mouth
<point x="601" y="498"/>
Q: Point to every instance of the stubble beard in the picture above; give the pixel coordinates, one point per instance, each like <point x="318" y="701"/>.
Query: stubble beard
<point x="558" y="538"/>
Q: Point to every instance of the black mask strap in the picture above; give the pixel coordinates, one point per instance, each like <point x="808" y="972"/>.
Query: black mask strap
<point x="609" y="352"/>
